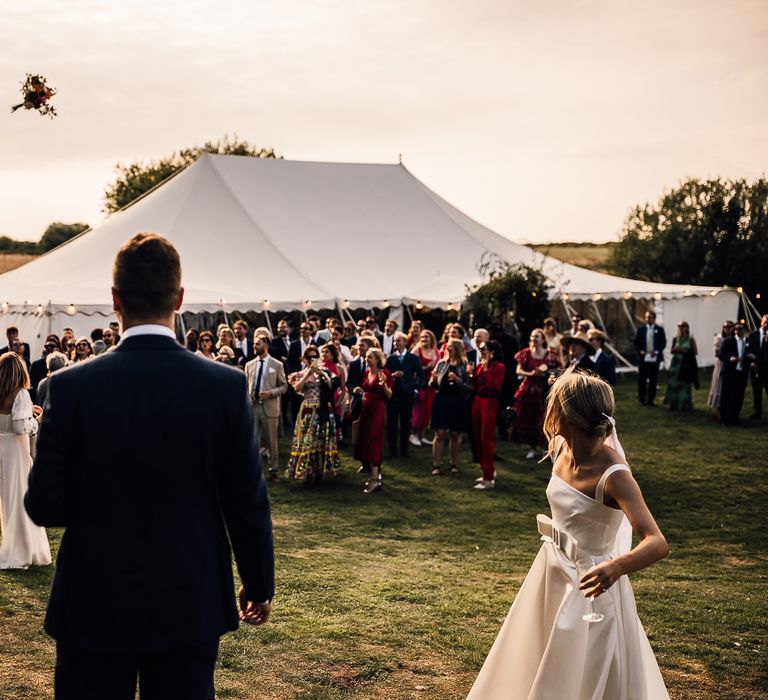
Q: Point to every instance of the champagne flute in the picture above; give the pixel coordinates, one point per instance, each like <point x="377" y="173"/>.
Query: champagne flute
<point x="583" y="565"/>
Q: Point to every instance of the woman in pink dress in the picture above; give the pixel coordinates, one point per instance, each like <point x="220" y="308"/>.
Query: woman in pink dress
<point x="428" y="355"/>
<point x="534" y="364"/>
<point x="377" y="388"/>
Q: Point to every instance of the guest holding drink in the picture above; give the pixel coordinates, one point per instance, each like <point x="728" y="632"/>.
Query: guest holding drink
<point x="426" y="351"/>
<point x="534" y="364"/>
<point x="487" y="380"/>
<point x="450" y="380"/>
<point x="376" y="389"/>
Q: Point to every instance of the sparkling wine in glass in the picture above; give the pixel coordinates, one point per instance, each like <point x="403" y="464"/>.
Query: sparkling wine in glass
<point x="583" y="565"/>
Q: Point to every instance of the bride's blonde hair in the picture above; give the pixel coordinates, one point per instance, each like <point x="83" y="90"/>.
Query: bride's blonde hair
<point x="584" y="401"/>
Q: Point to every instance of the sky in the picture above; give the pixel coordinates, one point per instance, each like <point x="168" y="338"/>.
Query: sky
<point x="545" y="121"/>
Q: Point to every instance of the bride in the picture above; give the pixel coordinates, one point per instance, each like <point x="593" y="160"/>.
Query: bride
<point x="23" y="543"/>
<point x="546" y="648"/>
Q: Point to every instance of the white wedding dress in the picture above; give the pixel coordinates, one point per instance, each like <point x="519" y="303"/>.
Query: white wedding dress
<point x="544" y="649"/>
<point x="23" y="543"/>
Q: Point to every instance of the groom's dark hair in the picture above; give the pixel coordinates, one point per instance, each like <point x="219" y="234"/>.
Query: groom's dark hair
<point x="147" y="276"/>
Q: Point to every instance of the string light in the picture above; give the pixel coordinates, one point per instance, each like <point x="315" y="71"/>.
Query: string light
<point x="450" y="307"/>
<point x="386" y="304"/>
<point x="266" y="303"/>
<point x="713" y="293"/>
<point x="346" y="303"/>
<point x="740" y="290"/>
<point x="687" y="293"/>
<point x="533" y="294"/>
<point x="39" y="308"/>
<point x="757" y="296"/>
<point x="627" y="295"/>
<point x="71" y="308"/>
<point x="657" y="296"/>
<point x="566" y="297"/>
<point x="308" y="302"/>
<point x="597" y="296"/>
<point x="5" y="306"/>
<point x="419" y="305"/>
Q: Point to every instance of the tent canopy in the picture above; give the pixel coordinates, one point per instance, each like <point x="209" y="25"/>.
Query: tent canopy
<point x="262" y="233"/>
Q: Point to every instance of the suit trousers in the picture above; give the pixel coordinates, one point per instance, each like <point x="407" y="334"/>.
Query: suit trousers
<point x="759" y="384"/>
<point x="732" y="396"/>
<point x="484" y="411"/>
<point x="399" y="409"/>
<point x="95" y="674"/>
<point x="266" y="429"/>
<point x="647" y="380"/>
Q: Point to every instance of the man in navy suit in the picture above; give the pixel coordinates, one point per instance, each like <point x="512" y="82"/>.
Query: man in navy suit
<point x="143" y="583"/>
<point x="408" y="374"/>
<point x="757" y="354"/>
<point x="735" y="366"/>
<point x="605" y="365"/>
<point x="650" y="341"/>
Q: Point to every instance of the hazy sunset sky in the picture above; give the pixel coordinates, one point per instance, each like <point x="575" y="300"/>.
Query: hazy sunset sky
<point x="546" y="121"/>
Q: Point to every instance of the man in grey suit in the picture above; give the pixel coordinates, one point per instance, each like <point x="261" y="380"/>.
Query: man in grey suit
<point x="266" y="384"/>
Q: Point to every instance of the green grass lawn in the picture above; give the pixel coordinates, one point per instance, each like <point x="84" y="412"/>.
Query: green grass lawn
<point x="400" y="594"/>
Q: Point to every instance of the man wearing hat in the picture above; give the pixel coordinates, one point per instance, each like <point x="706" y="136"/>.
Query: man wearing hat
<point x="578" y="348"/>
<point x="605" y="365"/>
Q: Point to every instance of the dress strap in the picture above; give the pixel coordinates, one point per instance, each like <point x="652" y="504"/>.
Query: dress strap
<point x="600" y="490"/>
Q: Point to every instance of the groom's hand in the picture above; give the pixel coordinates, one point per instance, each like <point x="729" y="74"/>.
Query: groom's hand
<point x="253" y="613"/>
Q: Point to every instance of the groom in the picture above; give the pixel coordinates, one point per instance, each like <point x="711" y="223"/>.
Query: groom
<point x="143" y="587"/>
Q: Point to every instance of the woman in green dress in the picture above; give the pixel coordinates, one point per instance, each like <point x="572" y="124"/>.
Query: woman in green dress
<point x="683" y="370"/>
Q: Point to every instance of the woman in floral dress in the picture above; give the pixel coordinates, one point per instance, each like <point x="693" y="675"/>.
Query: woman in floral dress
<point x="314" y="448"/>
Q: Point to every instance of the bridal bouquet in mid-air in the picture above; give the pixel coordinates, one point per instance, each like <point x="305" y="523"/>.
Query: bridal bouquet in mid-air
<point x="37" y="95"/>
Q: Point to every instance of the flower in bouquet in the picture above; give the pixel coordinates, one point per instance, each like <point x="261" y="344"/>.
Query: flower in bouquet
<point x="37" y="95"/>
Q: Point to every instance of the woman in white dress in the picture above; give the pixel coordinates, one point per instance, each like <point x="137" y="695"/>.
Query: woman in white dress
<point x="23" y="543"/>
<point x="545" y="649"/>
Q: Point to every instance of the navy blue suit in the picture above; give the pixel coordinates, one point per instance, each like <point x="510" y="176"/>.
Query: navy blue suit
<point x="734" y="380"/>
<point x="605" y="367"/>
<point x="648" y="372"/>
<point x="400" y="405"/>
<point x="152" y="488"/>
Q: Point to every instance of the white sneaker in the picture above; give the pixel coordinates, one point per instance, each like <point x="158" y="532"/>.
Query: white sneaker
<point x="531" y="454"/>
<point x="414" y="440"/>
<point x="424" y="441"/>
<point x="484" y="485"/>
<point x="480" y="478"/>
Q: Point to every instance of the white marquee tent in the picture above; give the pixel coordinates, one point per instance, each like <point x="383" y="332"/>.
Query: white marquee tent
<point x="257" y="234"/>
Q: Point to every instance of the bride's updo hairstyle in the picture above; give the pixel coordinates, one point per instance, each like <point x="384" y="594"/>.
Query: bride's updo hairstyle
<point x="583" y="401"/>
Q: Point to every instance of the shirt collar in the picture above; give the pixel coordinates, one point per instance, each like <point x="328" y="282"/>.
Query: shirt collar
<point x="148" y="329"/>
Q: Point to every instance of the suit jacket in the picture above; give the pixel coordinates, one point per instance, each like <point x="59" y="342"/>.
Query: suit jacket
<point x="27" y="353"/>
<point x="37" y="372"/>
<point x="728" y="349"/>
<point x="355" y="373"/>
<point x="278" y="349"/>
<point x="605" y="367"/>
<point x="413" y="374"/>
<point x="293" y="363"/>
<point x="243" y="357"/>
<point x="149" y="529"/>
<point x="659" y="341"/>
<point x="273" y="380"/>
<point x="757" y="349"/>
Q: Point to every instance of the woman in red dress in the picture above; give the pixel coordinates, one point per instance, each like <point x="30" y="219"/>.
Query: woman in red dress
<point x="377" y="388"/>
<point x="534" y="364"/>
<point x="487" y="380"/>
<point x="428" y="355"/>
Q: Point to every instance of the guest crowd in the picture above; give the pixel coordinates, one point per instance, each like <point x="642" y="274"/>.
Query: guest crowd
<point x="352" y="384"/>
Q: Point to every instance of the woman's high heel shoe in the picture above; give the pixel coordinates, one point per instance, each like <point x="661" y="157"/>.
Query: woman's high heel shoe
<point x="372" y="486"/>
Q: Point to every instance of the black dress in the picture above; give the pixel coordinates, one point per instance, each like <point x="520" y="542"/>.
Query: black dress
<point x="449" y="411"/>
